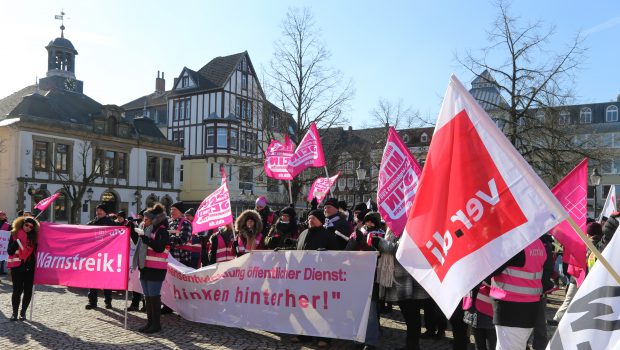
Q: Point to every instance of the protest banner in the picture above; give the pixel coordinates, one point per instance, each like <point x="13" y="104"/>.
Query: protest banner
<point x="591" y="320"/>
<point x="45" y="202"/>
<point x="309" y="153"/>
<point x="321" y="187"/>
<point x="214" y="211"/>
<point x="399" y="175"/>
<point x="82" y="256"/>
<point x="324" y="294"/>
<point x="277" y="157"/>
<point x="477" y="205"/>
<point x="610" y="204"/>
<point x="572" y="192"/>
<point x="4" y="245"/>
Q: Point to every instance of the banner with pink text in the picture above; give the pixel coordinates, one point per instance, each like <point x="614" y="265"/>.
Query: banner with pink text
<point x="321" y="187"/>
<point x="277" y="157"/>
<point x="82" y="256"/>
<point x="214" y="211"/>
<point x="4" y="245"/>
<point x="312" y="293"/>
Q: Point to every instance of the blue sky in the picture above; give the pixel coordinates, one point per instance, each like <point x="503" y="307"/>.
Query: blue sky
<point x="390" y="49"/>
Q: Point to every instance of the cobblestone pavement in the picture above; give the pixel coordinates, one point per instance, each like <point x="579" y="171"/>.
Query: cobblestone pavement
<point x="60" y="322"/>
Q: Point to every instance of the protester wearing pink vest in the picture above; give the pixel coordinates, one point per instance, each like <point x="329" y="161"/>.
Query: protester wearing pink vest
<point x="517" y="288"/>
<point x="151" y="258"/>
<point x="22" y="254"/>
<point x="478" y="313"/>
<point x="221" y="245"/>
<point x="249" y="227"/>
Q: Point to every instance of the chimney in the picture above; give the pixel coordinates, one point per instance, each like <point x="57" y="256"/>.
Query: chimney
<point x="160" y="83"/>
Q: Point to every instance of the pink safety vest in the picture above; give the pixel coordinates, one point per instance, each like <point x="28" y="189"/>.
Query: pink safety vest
<point x="522" y="284"/>
<point x="155" y="260"/>
<point x="223" y="252"/>
<point x="194" y="248"/>
<point x="242" y="248"/>
<point x="4" y="226"/>
<point x="15" y="260"/>
<point x="483" y="302"/>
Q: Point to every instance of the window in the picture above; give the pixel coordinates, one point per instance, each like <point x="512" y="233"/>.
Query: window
<point x="185" y="81"/>
<point x="61" y="162"/>
<point x="210" y="137"/>
<point x="406" y="138"/>
<point x="611" y="114"/>
<point x="273" y="120"/>
<point x="243" y="108"/>
<point x="166" y="170"/>
<point x="152" y="169"/>
<point x="424" y="138"/>
<point x="222" y="137"/>
<point x="342" y="183"/>
<point x="564" y="118"/>
<point x="108" y="163"/>
<point x="112" y="125"/>
<point x="540" y="115"/>
<point x="248" y="142"/>
<point x="585" y="116"/>
<point x="178" y="137"/>
<point x="111" y="163"/>
<point x="181" y="109"/>
<point x="238" y="107"/>
<point x="244" y="81"/>
<point x="607" y="140"/>
<point x="41" y="160"/>
<point x="351" y="183"/>
<point x="233" y="138"/>
<point x="181" y="174"/>
<point x="121" y="165"/>
<point x="246" y="178"/>
<point x="60" y="208"/>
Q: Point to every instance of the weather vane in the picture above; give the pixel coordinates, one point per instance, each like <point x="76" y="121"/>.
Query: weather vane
<point x="61" y="17"/>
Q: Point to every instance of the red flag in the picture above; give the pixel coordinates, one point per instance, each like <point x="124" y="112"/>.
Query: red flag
<point x="45" y="202"/>
<point x="277" y="157"/>
<point x="214" y="211"/>
<point x="478" y="203"/>
<point x="572" y="192"/>
<point x="398" y="181"/>
<point x="309" y="153"/>
<point x="321" y="187"/>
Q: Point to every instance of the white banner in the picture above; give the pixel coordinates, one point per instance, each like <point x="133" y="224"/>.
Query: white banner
<point x="592" y="320"/>
<point x="312" y="293"/>
<point x="4" y="244"/>
<point x="610" y="204"/>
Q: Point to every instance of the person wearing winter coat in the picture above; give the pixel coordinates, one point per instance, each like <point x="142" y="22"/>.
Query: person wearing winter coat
<point x="221" y="245"/>
<point x="284" y="231"/>
<point x="268" y="217"/>
<point x="150" y="258"/>
<point x="610" y="227"/>
<point x="249" y="228"/>
<point x="336" y="223"/>
<point x="22" y="250"/>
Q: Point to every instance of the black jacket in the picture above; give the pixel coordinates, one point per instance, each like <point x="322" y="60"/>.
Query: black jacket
<point x="280" y="234"/>
<point x="317" y="238"/>
<point x="339" y="223"/>
<point x="158" y="244"/>
<point x="104" y="221"/>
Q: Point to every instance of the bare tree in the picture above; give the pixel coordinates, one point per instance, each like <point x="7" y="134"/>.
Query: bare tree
<point x="396" y="114"/>
<point x="301" y="80"/>
<point x="532" y="82"/>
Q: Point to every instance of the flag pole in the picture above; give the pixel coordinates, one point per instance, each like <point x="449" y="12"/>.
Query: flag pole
<point x="596" y="252"/>
<point x="290" y="192"/>
<point x="326" y="174"/>
<point x="126" y="298"/>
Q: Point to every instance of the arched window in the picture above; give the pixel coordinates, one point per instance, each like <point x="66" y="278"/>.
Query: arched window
<point x="60" y="208"/>
<point x="424" y="138"/>
<point x="611" y="114"/>
<point x="585" y="116"/>
<point x="564" y="118"/>
<point x="112" y="126"/>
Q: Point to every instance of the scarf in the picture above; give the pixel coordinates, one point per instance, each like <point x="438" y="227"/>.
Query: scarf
<point x="385" y="265"/>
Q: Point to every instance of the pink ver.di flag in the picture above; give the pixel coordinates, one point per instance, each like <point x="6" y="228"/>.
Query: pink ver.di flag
<point x="309" y="153"/>
<point x="399" y="176"/>
<point x="572" y="192"/>
<point x="321" y="187"/>
<point x="45" y="202"/>
<point x="277" y="157"/>
<point x="214" y="211"/>
<point x="82" y="256"/>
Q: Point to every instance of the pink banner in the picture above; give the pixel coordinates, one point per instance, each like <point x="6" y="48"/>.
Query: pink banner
<point x="277" y="157"/>
<point x="321" y="187"/>
<point x="214" y="211"/>
<point x="309" y="153"/>
<point x="45" y="202"/>
<point x="399" y="175"/>
<point x="83" y="256"/>
<point x="572" y="193"/>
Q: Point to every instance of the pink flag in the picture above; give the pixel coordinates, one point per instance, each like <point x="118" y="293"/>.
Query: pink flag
<point x="478" y="204"/>
<point x="572" y="193"/>
<point x="45" y="202"/>
<point x="83" y="256"/>
<point x="214" y="211"/>
<point x="321" y="187"/>
<point x="309" y="153"/>
<point x="398" y="181"/>
<point x="277" y="157"/>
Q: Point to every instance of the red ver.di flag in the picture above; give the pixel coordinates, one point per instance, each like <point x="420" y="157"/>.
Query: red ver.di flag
<point x="277" y="157"/>
<point x="478" y="203"/>
<point x="572" y="193"/>
<point x="309" y="153"/>
<point x="398" y="181"/>
<point x="82" y="256"/>
<point x="321" y="187"/>
<point x="214" y="211"/>
<point x="45" y="202"/>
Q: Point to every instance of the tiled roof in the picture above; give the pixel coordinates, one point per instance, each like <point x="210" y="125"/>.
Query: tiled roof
<point x="145" y="126"/>
<point x="154" y="99"/>
<point x="219" y="69"/>
<point x="8" y="103"/>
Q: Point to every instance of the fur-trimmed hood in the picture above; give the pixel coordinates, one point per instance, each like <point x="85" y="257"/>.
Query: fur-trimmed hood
<point x="243" y="218"/>
<point x="19" y="223"/>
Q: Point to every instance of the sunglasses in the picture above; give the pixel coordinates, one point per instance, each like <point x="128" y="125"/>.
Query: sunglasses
<point x="28" y="226"/>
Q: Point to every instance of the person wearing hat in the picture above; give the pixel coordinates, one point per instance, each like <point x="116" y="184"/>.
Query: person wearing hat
<point x="284" y="231"/>
<point x="4" y="226"/>
<point x="22" y="250"/>
<point x="343" y="208"/>
<point x="336" y="223"/>
<point x="180" y="230"/>
<point x="121" y="219"/>
<point x="197" y="241"/>
<point x="268" y="217"/>
<point x="359" y="211"/>
<point x="101" y="219"/>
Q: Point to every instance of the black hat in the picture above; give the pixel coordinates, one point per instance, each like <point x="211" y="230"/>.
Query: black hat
<point x="20" y="213"/>
<point x="373" y="217"/>
<point x="288" y="211"/>
<point x="178" y="205"/>
<point x="360" y="207"/>
<point x="190" y="211"/>
<point x="342" y="205"/>
<point x="318" y="214"/>
<point x="103" y="207"/>
<point x="142" y="212"/>
<point x="594" y="229"/>
<point x="122" y="214"/>
<point x="332" y="201"/>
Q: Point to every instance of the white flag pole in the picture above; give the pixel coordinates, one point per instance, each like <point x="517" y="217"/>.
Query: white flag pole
<point x="596" y="252"/>
<point x="32" y="302"/>
<point x="290" y="192"/>
<point x="326" y="174"/>
<point x="126" y="298"/>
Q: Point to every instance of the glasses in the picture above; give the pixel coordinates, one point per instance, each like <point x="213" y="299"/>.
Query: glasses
<point x="30" y="226"/>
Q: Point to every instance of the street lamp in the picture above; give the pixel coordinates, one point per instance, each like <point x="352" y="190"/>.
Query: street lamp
<point x="137" y="196"/>
<point x="361" y="176"/>
<point x="89" y="194"/>
<point x="595" y="179"/>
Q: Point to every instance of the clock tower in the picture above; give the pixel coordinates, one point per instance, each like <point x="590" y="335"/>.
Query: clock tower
<point x="61" y="65"/>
